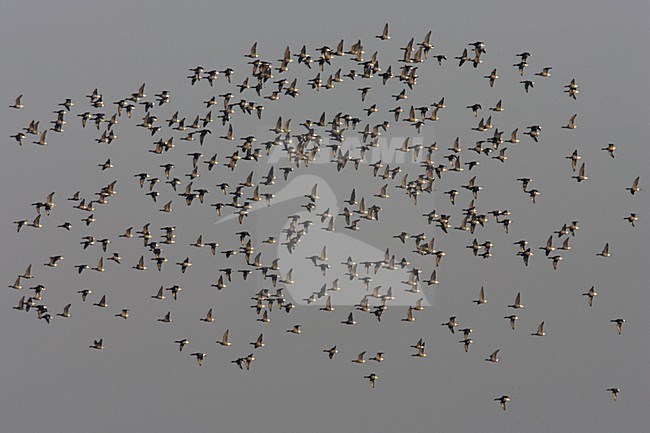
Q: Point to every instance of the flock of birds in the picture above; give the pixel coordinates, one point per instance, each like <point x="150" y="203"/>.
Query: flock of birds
<point x="267" y="82"/>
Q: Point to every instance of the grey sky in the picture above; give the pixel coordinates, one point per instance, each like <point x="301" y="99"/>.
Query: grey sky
<point x="140" y="382"/>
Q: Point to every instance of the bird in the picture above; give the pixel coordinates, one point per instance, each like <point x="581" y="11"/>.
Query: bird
<point x="360" y="358"/>
<point x="84" y="294"/>
<point x="372" y="378"/>
<point x="591" y="294"/>
<point x="259" y="342"/>
<point x="350" y="320"/>
<point x="17" y="104"/>
<point x="451" y="324"/>
<point x="581" y="174"/>
<point x="331" y="352"/>
<point x="182" y="343"/>
<point x="635" y="186"/>
<point x="492" y="77"/>
<point x="481" y="297"/>
<point x="66" y="311"/>
<point x="494" y="356"/>
<point x="540" y="330"/>
<point x="225" y="339"/>
<point x="384" y="34"/>
<point x="200" y="357"/>
<point x="610" y="149"/>
<point x="615" y="392"/>
<point x="619" y="324"/>
<point x="512" y="318"/>
<point x="208" y="317"/>
<point x="605" y="252"/>
<point x="517" y="303"/>
<point x="102" y="302"/>
<point x="631" y="218"/>
<point x="53" y="262"/>
<point x="502" y="401"/>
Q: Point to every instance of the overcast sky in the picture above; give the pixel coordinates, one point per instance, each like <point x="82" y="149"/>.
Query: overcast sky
<point x="140" y="382"/>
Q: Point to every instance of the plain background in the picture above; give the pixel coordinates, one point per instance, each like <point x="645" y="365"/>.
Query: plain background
<point x="49" y="379"/>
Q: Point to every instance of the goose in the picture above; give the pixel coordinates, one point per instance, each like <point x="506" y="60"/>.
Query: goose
<point x="199" y="357"/>
<point x="166" y="319"/>
<point x="98" y="344"/>
<point x="498" y="107"/>
<point x="466" y="342"/>
<point x="517" y="303"/>
<point x="421" y="349"/>
<point x="481" y="297"/>
<point x="605" y="252"/>
<point x="610" y="149"/>
<point x="99" y="267"/>
<point x="22" y="223"/>
<point x="565" y="245"/>
<point x="451" y="324"/>
<point x="225" y="339"/>
<point x="540" y="330"/>
<point x="502" y="401"/>
<point x="259" y="342"/>
<point x="528" y="84"/>
<point x="208" y="317"/>
<point x="521" y="66"/>
<point x="372" y="378"/>
<point x="295" y="330"/>
<point x="16" y="285"/>
<point x="615" y="392"/>
<point x="140" y="266"/>
<point x="462" y="58"/>
<point x="328" y="305"/>
<point x="571" y="124"/>
<point x="17" y="104"/>
<point x="53" y="262"/>
<point x="350" y="320"/>
<point x="635" y="186"/>
<point x="102" y="303"/>
<point x="124" y="314"/>
<point x="41" y="140"/>
<point x="545" y="72"/>
<point x="494" y="357"/>
<point x="631" y="218"/>
<point x="21" y="304"/>
<point x="581" y="174"/>
<point x="556" y="260"/>
<point x="409" y="315"/>
<point x="331" y="352"/>
<point x="66" y="311"/>
<point x="19" y="137"/>
<point x="574" y="157"/>
<point x="572" y="89"/>
<point x="379" y="357"/>
<point x="533" y="195"/>
<point x="182" y="343"/>
<point x="492" y="77"/>
<point x="591" y="294"/>
<point x="619" y="324"/>
<point x="84" y="294"/>
<point x="512" y="318"/>
<point x="360" y="358"/>
<point x="184" y="264"/>
<point x="384" y="34"/>
<point x="175" y="289"/>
